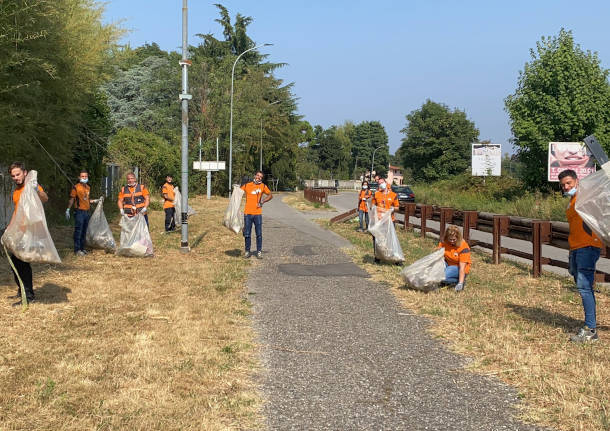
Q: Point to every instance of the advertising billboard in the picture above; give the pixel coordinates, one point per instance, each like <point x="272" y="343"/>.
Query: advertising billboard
<point x="569" y="155"/>
<point x="486" y="160"/>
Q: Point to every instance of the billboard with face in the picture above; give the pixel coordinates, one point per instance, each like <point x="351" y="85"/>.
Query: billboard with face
<point x="569" y="155"/>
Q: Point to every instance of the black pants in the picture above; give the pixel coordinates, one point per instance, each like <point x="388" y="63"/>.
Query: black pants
<point x="170" y="219"/>
<point x="25" y="272"/>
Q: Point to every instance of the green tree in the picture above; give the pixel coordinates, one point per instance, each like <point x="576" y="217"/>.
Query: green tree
<point x="366" y="137"/>
<point x="562" y="95"/>
<point x="437" y="142"/>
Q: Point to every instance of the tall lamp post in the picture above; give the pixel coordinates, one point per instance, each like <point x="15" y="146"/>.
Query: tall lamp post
<point x="184" y="98"/>
<point x="231" y="121"/>
<point x="260" y="165"/>
<point x="373" y="161"/>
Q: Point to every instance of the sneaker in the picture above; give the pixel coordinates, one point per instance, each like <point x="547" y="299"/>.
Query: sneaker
<point x="80" y="253"/>
<point x="585" y="335"/>
<point x="247" y="255"/>
<point x="259" y="254"/>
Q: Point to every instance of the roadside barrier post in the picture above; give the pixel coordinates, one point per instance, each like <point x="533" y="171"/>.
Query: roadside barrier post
<point x="426" y="213"/>
<point x="500" y="229"/>
<point x="470" y="222"/>
<point x="541" y="233"/>
<point x="446" y="218"/>
<point x="409" y="212"/>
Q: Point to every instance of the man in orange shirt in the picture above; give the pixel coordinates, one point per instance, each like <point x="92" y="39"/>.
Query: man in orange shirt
<point x="253" y="212"/>
<point x="168" y="204"/>
<point x="18" y="173"/>
<point x="79" y="198"/>
<point x="385" y="200"/>
<point x="134" y="198"/>
<point x="585" y="249"/>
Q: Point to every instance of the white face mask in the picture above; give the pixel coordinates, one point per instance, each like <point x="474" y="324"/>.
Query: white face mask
<point x="382" y="186"/>
<point x="131" y="184"/>
<point x="84" y="180"/>
<point x="365" y="187"/>
<point x="570" y="192"/>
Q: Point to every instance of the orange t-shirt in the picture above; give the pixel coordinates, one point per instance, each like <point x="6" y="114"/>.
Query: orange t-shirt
<point x="362" y="197"/>
<point x="580" y="234"/>
<point x="80" y="192"/>
<point x="456" y="254"/>
<point x="254" y="194"/>
<point x="17" y="193"/>
<point x="168" y="189"/>
<point x="385" y="201"/>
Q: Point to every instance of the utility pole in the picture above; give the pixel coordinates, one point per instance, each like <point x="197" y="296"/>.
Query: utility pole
<point x="184" y="99"/>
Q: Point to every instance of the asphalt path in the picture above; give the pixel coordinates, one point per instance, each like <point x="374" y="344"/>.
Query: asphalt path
<point x="339" y="353"/>
<point x="346" y="201"/>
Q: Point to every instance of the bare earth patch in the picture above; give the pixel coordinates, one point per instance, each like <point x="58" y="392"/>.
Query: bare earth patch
<point x="515" y="327"/>
<point x="120" y="343"/>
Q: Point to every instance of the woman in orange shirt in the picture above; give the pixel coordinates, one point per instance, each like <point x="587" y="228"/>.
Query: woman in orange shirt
<point x="457" y="257"/>
<point x="363" y="209"/>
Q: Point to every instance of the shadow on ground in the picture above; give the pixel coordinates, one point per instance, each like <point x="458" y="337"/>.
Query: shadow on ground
<point x="51" y="293"/>
<point x="233" y="253"/>
<point x="537" y="314"/>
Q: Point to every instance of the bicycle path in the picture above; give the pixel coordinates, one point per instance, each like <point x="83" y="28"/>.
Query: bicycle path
<point x="339" y="352"/>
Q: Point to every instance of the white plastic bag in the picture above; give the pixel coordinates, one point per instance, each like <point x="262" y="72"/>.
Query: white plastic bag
<point x="593" y="202"/>
<point x="234" y="217"/>
<point x="426" y="273"/>
<point x="177" y="206"/>
<point x="387" y="246"/>
<point x="27" y="235"/>
<point x="99" y="234"/>
<point x="135" y="238"/>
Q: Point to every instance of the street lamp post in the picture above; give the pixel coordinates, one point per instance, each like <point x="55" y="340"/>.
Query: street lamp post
<point x="260" y="166"/>
<point x="231" y="121"/>
<point x="373" y="161"/>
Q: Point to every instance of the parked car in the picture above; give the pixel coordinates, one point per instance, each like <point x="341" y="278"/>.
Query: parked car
<point x="404" y="193"/>
<point x="373" y="187"/>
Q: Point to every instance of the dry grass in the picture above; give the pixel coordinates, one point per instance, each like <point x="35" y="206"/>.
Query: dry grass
<point x="297" y="201"/>
<point x="134" y="344"/>
<point x="515" y="327"/>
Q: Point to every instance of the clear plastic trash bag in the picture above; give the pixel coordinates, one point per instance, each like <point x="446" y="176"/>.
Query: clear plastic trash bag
<point x="593" y="202"/>
<point x="27" y="235"/>
<point x="99" y="234"/>
<point x="234" y="217"/>
<point x="426" y="273"/>
<point x="178" y="207"/>
<point x="135" y="238"/>
<point x="387" y="246"/>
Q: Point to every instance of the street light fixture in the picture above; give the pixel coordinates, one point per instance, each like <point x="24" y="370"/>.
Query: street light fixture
<point x="231" y="121"/>
<point x="260" y="166"/>
<point x="373" y="161"/>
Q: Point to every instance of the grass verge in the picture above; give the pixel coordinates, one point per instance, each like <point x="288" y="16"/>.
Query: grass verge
<point x="515" y="327"/>
<point x="298" y="202"/>
<point x="118" y="343"/>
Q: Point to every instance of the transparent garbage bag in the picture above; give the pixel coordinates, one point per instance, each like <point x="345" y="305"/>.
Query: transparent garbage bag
<point x="234" y="217"/>
<point x="426" y="273"/>
<point x="387" y="246"/>
<point x="99" y="234"/>
<point x="27" y="235"/>
<point x="593" y="202"/>
<point x="135" y="238"/>
<point x="178" y="206"/>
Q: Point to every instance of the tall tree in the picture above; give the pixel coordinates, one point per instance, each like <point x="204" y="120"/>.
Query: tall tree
<point x="437" y="142"/>
<point x="562" y="95"/>
<point x="366" y="137"/>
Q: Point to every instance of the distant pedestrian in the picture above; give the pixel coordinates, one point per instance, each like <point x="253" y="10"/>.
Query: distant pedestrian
<point x="363" y="209"/>
<point x="79" y="199"/>
<point x="585" y="249"/>
<point x="169" y="206"/>
<point x="134" y="198"/>
<point x="457" y="257"/>
<point x="253" y="212"/>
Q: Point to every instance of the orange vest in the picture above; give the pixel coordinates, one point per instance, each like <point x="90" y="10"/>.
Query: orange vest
<point x="133" y="202"/>
<point x="580" y="234"/>
<point x="385" y="201"/>
<point x="364" y="194"/>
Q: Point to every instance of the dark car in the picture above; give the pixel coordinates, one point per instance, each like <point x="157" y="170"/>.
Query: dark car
<point x="373" y="187"/>
<point x="404" y="193"/>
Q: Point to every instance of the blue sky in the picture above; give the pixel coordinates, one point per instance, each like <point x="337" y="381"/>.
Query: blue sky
<point x="363" y="60"/>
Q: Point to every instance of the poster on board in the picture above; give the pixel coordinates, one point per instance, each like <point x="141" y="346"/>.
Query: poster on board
<point x="486" y="160"/>
<point x="569" y="155"/>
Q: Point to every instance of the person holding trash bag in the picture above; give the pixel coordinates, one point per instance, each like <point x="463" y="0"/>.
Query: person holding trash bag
<point x="363" y="209"/>
<point x="18" y="173"/>
<point x="457" y="257"/>
<point x="168" y="204"/>
<point x="79" y="198"/>
<point x="585" y="249"/>
<point x="134" y="198"/>
<point x="385" y="200"/>
<point x="253" y="212"/>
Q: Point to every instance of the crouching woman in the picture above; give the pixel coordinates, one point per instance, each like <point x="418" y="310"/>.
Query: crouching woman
<point x="457" y="257"/>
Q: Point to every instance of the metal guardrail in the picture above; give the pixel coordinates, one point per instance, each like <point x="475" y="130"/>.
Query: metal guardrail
<point x="315" y="195"/>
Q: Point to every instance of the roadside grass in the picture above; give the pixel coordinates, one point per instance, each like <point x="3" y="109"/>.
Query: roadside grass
<point x="515" y="327"/>
<point x="298" y="202"/>
<point x="116" y="343"/>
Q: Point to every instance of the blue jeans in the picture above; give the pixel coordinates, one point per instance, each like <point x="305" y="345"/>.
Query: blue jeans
<point x="363" y="215"/>
<point x="81" y="221"/>
<point x="452" y="274"/>
<point x="582" y="268"/>
<point x="258" y="228"/>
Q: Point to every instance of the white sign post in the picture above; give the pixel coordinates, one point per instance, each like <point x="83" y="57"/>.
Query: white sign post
<point x="209" y="167"/>
<point x="486" y="160"/>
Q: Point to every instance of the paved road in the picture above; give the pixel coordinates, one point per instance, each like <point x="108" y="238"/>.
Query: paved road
<point x="345" y="201"/>
<point x="339" y="352"/>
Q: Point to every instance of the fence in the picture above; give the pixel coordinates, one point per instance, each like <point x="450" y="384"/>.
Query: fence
<point x="538" y="232"/>
<point x="314" y="195"/>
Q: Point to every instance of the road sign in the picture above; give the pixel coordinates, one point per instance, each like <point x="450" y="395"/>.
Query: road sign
<point x="209" y="166"/>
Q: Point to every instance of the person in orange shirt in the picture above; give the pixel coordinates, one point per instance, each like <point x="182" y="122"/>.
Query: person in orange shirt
<point x="134" y="198"/>
<point x="253" y="212"/>
<point x="18" y="173"/>
<point x="457" y="257"/>
<point x="363" y="209"/>
<point x="585" y="249"/>
<point x="168" y="204"/>
<point x="384" y="200"/>
<point x="79" y="198"/>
